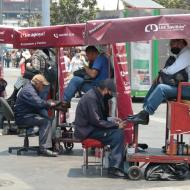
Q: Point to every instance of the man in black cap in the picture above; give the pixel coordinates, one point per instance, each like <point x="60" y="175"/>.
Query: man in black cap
<point x="91" y="122"/>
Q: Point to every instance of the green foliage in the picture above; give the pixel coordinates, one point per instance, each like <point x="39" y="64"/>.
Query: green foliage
<point x="178" y="4"/>
<point x="73" y="11"/>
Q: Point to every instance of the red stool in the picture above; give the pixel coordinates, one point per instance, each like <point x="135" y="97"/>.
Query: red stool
<point x="92" y="143"/>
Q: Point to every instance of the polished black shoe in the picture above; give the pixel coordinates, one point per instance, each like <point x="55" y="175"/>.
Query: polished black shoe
<point x="66" y="104"/>
<point x="140" y="118"/>
<point x="116" y="173"/>
<point x="48" y="153"/>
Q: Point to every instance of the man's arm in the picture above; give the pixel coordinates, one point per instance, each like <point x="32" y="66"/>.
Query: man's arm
<point x="33" y="100"/>
<point x="91" y="72"/>
<point x="97" y="66"/>
<point x="181" y="63"/>
<point x="94" y="117"/>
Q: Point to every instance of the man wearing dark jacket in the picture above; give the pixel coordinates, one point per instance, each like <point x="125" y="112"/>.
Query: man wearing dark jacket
<point x="91" y="122"/>
<point x="30" y="109"/>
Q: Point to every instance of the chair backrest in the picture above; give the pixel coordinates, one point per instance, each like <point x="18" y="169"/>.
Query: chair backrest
<point x="6" y="109"/>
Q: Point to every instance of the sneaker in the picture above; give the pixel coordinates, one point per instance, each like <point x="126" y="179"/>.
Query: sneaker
<point x="48" y="153"/>
<point x="116" y="173"/>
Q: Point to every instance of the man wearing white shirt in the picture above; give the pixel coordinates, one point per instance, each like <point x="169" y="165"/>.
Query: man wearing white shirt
<point x="163" y="91"/>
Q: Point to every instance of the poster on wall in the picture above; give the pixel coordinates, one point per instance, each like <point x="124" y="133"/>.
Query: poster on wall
<point x="141" y="56"/>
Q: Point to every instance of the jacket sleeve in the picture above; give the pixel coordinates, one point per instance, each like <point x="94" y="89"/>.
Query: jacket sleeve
<point x="181" y="63"/>
<point x="33" y="100"/>
<point x="94" y="117"/>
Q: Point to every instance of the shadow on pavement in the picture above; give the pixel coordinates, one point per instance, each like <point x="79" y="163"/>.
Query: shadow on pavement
<point x="91" y="173"/>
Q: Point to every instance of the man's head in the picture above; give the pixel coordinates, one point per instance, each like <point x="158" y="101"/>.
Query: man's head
<point x="39" y="81"/>
<point x="32" y="51"/>
<point x="177" y="45"/>
<point x="46" y="51"/>
<point x="107" y="87"/>
<point x="91" y="53"/>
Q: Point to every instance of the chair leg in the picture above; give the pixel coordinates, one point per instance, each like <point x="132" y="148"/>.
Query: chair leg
<point x="85" y="160"/>
<point x="26" y="142"/>
<point x="101" y="160"/>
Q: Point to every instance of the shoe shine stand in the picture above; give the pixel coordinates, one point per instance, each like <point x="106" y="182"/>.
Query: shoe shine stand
<point x="175" y="152"/>
<point x="64" y="133"/>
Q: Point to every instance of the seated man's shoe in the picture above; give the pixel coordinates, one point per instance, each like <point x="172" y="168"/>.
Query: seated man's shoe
<point x="48" y="153"/>
<point x="140" y="118"/>
<point x="116" y="173"/>
<point x="62" y="106"/>
<point x="142" y="146"/>
<point x="66" y="104"/>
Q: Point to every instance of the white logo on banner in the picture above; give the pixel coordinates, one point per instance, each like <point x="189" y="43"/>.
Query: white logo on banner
<point x="32" y="35"/>
<point x="165" y="27"/>
<point x="56" y="35"/>
<point x="2" y="32"/>
<point x="96" y="28"/>
<point x="151" y="27"/>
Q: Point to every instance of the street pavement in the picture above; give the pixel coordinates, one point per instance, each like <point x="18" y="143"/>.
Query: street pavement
<point x="32" y="172"/>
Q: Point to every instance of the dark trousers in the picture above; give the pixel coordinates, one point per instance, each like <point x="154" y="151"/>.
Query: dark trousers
<point x="44" y="124"/>
<point x="114" y="138"/>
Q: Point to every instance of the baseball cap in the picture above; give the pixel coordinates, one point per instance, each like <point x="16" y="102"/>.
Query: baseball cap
<point x="108" y="83"/>
<point x="40" y="78"/>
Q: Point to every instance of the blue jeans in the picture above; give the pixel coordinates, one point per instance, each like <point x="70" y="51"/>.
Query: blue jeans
<point x="154" y="85"/>
<point x="75" y="84"/>
<point x="45" y="129"/>
<point x="160" y="93"/>
<point x="114" y="138"/>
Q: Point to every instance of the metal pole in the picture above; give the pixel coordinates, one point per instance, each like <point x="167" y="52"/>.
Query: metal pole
<point x="1" y="12"/>
<point x="1" y="46"/>
<point x="29" y="12"/>
<point x="118" y="5"/>
<point x="45" y="13"/>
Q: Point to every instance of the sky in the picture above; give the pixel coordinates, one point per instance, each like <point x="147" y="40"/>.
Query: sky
<point x="109" y="4"/>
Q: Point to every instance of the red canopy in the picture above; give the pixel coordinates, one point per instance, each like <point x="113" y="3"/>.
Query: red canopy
<point x="100" y="32"/>
<point x="52" y="36"/>
<point x="6" y="35"/>
<point x="138" y="29"/>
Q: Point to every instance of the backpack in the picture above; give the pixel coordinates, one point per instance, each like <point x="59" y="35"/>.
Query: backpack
<point x="50" y="70"/>
<point x="166" y="172"/>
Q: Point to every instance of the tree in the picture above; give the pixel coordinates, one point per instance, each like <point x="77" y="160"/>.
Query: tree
<point x="179" y="4"/>
<point x="73" y="11"/>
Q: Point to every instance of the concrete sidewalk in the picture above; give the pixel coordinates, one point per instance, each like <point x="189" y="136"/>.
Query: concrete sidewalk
<point x="31" y="172"/>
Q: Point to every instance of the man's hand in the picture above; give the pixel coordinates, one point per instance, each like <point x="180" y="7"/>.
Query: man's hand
<point x="53" y="103"/>
<point x="93" y="73"/>
<point x="117" y="121"/>
<point x="114" y="119"/>
<point x="122" y="124"/>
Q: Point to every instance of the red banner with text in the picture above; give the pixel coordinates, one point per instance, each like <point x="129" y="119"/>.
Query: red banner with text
<point x="124" y="102"/>
<point x="63" y="77"/>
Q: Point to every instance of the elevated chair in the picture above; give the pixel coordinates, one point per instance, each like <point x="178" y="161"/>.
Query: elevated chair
<point x="9" y="115"/>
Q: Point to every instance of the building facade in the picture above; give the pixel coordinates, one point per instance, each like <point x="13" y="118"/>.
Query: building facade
<point x="21" y="12"/>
